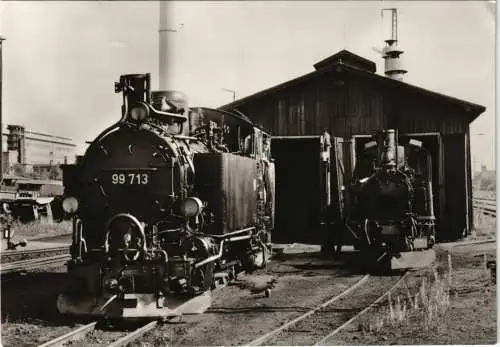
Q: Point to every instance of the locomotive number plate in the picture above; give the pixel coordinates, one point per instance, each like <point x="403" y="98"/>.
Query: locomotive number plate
<point x="130" y="178"/>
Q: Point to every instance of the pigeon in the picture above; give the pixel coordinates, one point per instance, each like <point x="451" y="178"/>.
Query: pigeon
<point x="257" y="284"/>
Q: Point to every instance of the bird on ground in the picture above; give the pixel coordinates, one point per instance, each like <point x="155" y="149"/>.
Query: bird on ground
<point x="257" y="284"/>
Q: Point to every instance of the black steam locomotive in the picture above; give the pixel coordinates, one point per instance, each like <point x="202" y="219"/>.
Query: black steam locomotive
<point x="165" y="201"/>
<point x="390" y="203"/>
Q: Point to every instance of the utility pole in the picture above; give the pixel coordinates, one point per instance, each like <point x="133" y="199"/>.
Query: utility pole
<point x="1" y="106"/>
<point x="474" y="156"/>
<point x="474" y="166"/>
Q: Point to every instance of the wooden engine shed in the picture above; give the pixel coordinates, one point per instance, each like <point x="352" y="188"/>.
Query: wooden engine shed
<point x="346" y="98"/>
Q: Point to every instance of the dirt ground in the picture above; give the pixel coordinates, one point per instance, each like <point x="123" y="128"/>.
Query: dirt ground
<point x="298" y="282"/>
<point x="29" y="313"/>
<point x="241" y="312"/>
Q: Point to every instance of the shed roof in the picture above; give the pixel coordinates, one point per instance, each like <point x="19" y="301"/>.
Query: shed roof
<point x="342" y="61"/>
<point x="349" y="59"/>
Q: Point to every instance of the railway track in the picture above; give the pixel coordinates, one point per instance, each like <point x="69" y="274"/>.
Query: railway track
<point x="23" y="265"/>
<point x="487" y="206"/>
<point x="36" y="251"/>
<point x="315" y="326"/>
<point x="87" y="334"/>
<point x="18" y="255"/>
<point x="105" y="337"/>
<point x="73" y="335"/>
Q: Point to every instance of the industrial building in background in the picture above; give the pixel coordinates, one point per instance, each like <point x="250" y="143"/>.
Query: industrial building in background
<point x="31" y="186"/>
<point x="35" y="155"/>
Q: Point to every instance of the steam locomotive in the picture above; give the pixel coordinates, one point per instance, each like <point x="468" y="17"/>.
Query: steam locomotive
<point x="390" y="203"/>
<point x="165" y="202"/>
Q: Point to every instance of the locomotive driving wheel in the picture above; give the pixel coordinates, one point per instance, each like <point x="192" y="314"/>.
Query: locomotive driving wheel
<point x="200" y="277"/>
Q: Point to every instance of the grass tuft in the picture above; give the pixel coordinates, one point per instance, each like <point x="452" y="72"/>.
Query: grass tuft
<point x="428" y="304"/>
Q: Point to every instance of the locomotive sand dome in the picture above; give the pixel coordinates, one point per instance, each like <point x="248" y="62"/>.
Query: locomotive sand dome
<point x="164" y="202"/>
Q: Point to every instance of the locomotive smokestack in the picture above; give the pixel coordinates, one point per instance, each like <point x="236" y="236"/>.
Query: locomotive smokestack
<point x="387" y="148"/>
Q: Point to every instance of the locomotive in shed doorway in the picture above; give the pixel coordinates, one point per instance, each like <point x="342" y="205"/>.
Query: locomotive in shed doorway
<point x="164" y="202"/>
<point x="389" y="203"/>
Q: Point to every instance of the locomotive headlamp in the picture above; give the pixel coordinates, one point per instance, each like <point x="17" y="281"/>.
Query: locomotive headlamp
<point x="370" y="144"/>
<point x="70" y="204"/>
<point x="363" y="180"/>
<point x="191" y="207"/>
<point x="139" y="112"/>
<point x="415" y="143"/>
<point x="6" y="208"/>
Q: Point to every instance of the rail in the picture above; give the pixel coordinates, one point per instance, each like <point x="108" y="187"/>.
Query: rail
<point x="325" y="322"/>
<point x="34" y="251"/>
<point x="128" y="337"/>
<point x="80" y="333"/>
<point x="71" y="336"/>
<point x="276" y="331"/>
<point x="23" y="265"/>
<point x="324" y="340"/>
<point x="486" y="206"/>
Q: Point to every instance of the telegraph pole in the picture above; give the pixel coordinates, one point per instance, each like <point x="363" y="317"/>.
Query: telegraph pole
<point x="474" y="156"/>
<point x="1" y="124"/>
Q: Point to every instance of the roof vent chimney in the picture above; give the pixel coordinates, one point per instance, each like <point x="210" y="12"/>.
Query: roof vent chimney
<point x="391" y="53"/>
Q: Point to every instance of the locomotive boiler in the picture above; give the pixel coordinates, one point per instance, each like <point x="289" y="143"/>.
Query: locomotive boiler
<point x="165" y="202"/>
<point x="391" y="216"/>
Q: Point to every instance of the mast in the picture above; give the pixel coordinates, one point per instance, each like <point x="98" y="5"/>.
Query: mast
<point x="1" y="106"/>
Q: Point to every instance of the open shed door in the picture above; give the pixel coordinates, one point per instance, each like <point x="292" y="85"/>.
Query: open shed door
<point x="302" y="188"/>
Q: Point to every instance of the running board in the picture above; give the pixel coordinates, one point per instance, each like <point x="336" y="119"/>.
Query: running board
<point x="413" y="260"/>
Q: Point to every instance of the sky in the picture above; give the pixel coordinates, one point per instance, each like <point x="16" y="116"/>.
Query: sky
<point x="61" y="59"/>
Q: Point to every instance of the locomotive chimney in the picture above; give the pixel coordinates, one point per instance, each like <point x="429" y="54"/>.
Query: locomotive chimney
<point x="135" y="88"/>
<point x="387" y="148"/>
